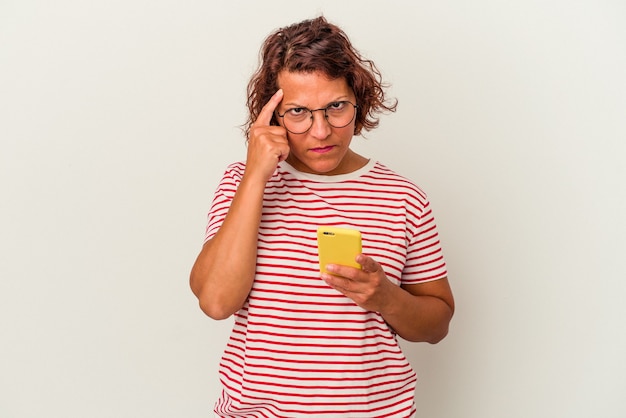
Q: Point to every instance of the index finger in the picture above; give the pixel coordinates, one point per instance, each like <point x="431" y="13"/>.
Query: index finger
<point x="265" y="116"/>
<point x="367" y="263"/>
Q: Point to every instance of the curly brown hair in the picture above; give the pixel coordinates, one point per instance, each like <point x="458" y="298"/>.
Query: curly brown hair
<point x="317" y="46"/>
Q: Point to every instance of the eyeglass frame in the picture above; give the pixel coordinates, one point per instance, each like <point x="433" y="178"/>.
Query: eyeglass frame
<point x="325" y="109"/>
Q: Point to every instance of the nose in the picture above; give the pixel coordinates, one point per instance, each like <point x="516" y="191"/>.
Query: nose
<point x="320" y="128"/>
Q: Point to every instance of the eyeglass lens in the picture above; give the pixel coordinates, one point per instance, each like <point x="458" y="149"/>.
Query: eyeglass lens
<point x="338" y="115"/>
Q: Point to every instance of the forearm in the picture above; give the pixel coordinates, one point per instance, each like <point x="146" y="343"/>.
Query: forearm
<point x="223" y="273"/>
<point x="418" y="318"/>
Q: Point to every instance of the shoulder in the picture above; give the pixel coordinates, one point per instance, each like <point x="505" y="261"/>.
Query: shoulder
<point x="389" y="178"/>
<point x="231" y="177"/>
<point x="236" y="167"/>
<point x="234" y="171"/>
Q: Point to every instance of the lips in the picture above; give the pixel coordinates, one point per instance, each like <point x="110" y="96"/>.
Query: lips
<point x="323" y="150"/>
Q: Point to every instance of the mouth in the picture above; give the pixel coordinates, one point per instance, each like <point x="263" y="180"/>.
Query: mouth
<point x="323" y="150"/>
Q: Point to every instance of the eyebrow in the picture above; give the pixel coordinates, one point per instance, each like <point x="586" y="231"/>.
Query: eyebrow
<point x="292" y="105"/>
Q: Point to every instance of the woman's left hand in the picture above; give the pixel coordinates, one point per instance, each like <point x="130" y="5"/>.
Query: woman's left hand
<point x="368" y="287"/>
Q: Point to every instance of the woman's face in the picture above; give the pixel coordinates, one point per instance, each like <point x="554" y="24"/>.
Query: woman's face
<point x="323" y="149"/>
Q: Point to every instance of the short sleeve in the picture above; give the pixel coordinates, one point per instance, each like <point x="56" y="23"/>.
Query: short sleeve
<point x="424" y="261"/>
<point x="222" y="199"/>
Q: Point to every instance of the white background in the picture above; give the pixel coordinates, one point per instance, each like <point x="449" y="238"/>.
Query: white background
<point x="118" y="117"/>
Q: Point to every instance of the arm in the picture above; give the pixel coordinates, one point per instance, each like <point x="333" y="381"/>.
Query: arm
<point x="418" y="312"/>
<point x="421" y="312"/>
<point x="223" y="273"/>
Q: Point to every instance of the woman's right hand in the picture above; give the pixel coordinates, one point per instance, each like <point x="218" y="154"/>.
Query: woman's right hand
<point x="267" y="145"/>
<point x="223" y="273"/>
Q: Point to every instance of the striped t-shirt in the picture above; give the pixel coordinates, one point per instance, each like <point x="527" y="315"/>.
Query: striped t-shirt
<point x="299" y="347"/>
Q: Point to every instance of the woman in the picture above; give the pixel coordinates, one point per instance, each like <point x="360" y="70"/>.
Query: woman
<point x="306" y="343"/>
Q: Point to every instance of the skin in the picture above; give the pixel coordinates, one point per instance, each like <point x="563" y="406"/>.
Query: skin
<point x="223" y="273"/>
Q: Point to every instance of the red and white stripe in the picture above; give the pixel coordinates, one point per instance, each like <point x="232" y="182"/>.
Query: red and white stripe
<point x="298" y="347"/>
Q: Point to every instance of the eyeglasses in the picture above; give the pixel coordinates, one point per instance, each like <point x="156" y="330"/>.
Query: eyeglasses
<point x="299" y="120"/>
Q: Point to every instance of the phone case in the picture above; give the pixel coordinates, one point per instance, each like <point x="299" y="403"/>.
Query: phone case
<point x="338" y="246"/>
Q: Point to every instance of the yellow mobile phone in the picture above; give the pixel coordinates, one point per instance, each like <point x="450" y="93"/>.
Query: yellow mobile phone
<point x="338" y="246"/>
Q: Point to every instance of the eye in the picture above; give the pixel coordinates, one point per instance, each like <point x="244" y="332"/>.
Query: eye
<point x="336" y="106"/>
<point x="296" y="111"/>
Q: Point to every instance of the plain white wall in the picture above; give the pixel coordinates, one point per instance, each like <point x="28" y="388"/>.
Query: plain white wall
<point x="118" y="117"/>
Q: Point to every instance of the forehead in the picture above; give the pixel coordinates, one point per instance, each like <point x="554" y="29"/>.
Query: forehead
<point x="313" y="89"/>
